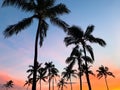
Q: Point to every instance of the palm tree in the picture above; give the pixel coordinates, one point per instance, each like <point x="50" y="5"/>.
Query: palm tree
<point x="28" y="82"/>
<point x="41" y="75"/>
<point x="42" y="10"/>
<point x="62" y="84"/>
<point x="103" y="71"/>
<point x="31" y="70"/>
<point x="53" y="75"/>
<point x="76" y="56"/>
<point x="8" y="84"/>
<point x="78" y="37"/>
<point x="68" y="73"/>
<point x="48" y="67"/>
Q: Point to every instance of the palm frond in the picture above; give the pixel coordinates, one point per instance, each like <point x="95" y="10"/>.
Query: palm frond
<point x="89" y="30"/>
<point x="76" y="32"/>
<point x="69" y="59"/>
<point x="110" y="74"/>
<point x="58" y="9"/>
<point x="88" y="59"/>
<point x="90" y="50"/>
<point x="70" y="40"/>
<point x="99" y="76"/>
<point x="100" y="42"/>
<point x="71" y="64"/>
<point x="13" y="2"/>
<point x="59" y="23"/>
<point x="24" y="5"/>
<point x="42" y="31"/>
<point x="16" y="28"/>
<point x="75" y="51"/>
<point x="49" y="3"/>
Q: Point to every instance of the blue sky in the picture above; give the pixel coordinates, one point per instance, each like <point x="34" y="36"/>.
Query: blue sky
<point x="17" y="52"/>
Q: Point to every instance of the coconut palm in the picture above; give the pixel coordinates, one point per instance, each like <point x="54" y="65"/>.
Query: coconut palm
<point x="41" y="75"/>
<point x="9" y="84"/>
<point x="42" y="10"/>
<point x="48" y="68"/>
<point x="28" y="82"/>
<point x="78" y="37"/>
<point x="53" y="75"/>
<point x="61" y="84"/>
<point x="31" y="70"/>
<point x="103" y="71"/>
<point x="76" y="56"/>
<point x="69" y="73"/>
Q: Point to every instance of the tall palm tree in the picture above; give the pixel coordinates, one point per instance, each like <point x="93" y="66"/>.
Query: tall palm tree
<point x="48" y="68"/>
<point x="61" y="84"/>
<point x="41" y="75"/>
<point x="9" y="84"/>
<point x="42" y="10"/>
<point x="78" y="37"/>
<point x="76" y="56"/>
<point x="103" y="71"/>
<point x="28" y="82"/>
<point x="69" y="73"/>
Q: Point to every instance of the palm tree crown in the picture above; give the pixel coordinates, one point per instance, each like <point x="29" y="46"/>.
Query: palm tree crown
<point x="104" y="71"/>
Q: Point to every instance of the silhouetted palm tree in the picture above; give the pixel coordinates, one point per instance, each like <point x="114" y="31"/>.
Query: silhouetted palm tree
<point x="28" y="82"/>
<point x="31" y="70"/>
<point x="76" y="56"/>
<point x="77" y="36"/>
<point x="42" y="10"/>
<point x="9" y="84"/>
<point x="103" y="71"/>
<point x="41" y="75"/>
<point x="69" y="73"/>
<point x="48" y="68"/>
<point x="61" y="84"/>
<point x="53" y="75"/>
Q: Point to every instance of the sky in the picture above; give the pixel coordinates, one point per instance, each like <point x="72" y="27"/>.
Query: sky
<point x="17" y="52"/>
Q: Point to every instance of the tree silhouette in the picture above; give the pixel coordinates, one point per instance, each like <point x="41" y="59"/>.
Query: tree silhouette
<point x="53" y="75"/>
<point x="31" y="69"/>
<point x="48" y="67"/>
<point x="76" y="56"/>
<point x="41" y="75"/>
<point x="28" y="82"/>
<point x="61" y="84"/>
<point x="68" y="73"/>
<point x="8" y="84"/>
<point x="42" y="10"/>
<point x="78" y="37"/>
<point x="103" y="71"/>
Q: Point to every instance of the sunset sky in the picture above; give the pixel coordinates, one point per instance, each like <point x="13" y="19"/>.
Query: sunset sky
<point x="17" y="52"/>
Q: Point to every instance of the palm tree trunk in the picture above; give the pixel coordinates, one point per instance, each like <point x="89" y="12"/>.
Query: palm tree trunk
<point x="62" y="87"/>
<point x="80" y="73"/>
<point x="49" y="79"/>
<point x="35" y="58"/>
<point x="53" y="83"/>
<point x="80" y="77"/>
<point x="40" y="84"/>
<point x="86" y="73"/>
<point x="70" y="83"/>
<point x="106" y="83"/>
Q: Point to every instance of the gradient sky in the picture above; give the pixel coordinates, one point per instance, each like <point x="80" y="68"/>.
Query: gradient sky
<point x="17" y="52"/>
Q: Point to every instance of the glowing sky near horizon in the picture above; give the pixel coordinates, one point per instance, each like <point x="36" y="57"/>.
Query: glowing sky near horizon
<point x="17" y="52"/>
